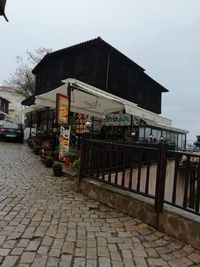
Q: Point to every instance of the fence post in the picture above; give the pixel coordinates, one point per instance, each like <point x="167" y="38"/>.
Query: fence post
<point x="83" y="151"/>
<point x="160" y="181"/>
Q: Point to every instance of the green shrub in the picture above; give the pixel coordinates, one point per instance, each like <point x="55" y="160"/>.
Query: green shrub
<point x="49" y="161"/>
<point x="57" y="168"/>
<point x="57" y="165"/>
<point x="36" y="149"/>
<point x="76" y="165"/>
<point x="71" y="155"/>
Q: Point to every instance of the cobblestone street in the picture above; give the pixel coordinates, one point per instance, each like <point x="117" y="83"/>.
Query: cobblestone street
<point x="43" y="222"/>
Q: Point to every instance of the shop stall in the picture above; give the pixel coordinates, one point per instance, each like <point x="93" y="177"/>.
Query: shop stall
<point x="77" y="110"/>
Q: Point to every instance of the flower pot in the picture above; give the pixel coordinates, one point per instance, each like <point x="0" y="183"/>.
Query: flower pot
<point x="57" y="172"/>
<point x="67" y="161"/>
<point x="48" y="164"/>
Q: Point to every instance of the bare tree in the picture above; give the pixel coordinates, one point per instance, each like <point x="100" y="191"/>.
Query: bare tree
<point x="22" y="80"/>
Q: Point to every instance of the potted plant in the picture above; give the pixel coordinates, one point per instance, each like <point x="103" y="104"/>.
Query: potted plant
<point x="69" y="158"/>
<point x="49" y="162"/>
<point x="76" y="165"/>
<point x="57" y="168"/>
<point x="36" y="149"/>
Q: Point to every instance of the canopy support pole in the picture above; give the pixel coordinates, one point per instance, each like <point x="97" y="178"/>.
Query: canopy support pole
<point x="31" y="122"/>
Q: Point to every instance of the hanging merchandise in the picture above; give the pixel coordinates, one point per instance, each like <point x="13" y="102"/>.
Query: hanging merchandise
<point x="80" y="123"/>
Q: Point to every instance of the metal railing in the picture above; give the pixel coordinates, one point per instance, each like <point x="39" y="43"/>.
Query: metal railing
<point x="164" y="175"/>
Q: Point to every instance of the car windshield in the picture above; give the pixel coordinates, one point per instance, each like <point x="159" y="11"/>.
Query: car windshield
<point x="12" y="125"/>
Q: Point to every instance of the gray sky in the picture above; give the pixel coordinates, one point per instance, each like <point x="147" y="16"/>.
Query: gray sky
<point x="161" y="36"/>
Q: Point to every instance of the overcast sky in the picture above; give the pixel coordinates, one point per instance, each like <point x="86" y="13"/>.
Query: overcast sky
<point x="161" y="36"/>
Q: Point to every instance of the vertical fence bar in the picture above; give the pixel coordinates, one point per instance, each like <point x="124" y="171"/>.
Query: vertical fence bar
<point x="83" y="157"/>
<point x="131" y="169"/>
<point x="160" y="181"/>
<point x="116" y="164"/>
<point x="103" y="148"/>
<point x="93" y="156"/>
<point x="192" y="187"/>
<point x="185" y="197"/>
<point x="109" y="162"/>
<point x="98" y="151"/>
<point x="197" y="189"/>
<point x="175" y="179"/>
<point x="123" y="165"/>
<point x="139" y="169"/>
<point x="82" y="166"/>
<point x="147" y="174"/>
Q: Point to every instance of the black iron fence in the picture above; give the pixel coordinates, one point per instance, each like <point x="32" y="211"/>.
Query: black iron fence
<point x="185" y="181"/>
<point x="164" y="175"/>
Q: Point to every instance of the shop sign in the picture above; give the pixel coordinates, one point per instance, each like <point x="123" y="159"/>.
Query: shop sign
<point x="64" y="141"/>
<point x="62" y="109"/>
<point x="117" y="120"/>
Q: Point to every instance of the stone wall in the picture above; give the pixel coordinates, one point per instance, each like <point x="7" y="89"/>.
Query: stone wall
<point x="172" y="221"/>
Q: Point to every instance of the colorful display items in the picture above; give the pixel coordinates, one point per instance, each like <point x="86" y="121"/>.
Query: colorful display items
<point x="64" y="141"/>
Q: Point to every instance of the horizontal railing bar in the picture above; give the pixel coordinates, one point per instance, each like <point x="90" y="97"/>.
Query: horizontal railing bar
<point x="122" y="144"/>
<point x="181" y="207"/>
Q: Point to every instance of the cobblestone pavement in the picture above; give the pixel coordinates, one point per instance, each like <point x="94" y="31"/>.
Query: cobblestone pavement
<point x="44" y="223"/>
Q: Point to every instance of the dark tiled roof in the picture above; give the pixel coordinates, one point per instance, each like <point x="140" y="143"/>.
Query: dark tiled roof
<point x="28" y="101"/>
<point x="95" y="41"/>
<point x="162" y="88"/>
<point x="4" y="99"/>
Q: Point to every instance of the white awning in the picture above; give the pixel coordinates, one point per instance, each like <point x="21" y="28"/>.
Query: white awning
<point x="32" y="108"/>
<point x="92" y="101"/>
<point x="86" y="100"/>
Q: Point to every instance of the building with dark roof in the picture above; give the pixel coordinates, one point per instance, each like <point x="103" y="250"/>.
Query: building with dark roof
<point x="99" y="64"/>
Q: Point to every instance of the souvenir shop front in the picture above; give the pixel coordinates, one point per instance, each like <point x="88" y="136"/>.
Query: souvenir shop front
<point x="77" y="110"/>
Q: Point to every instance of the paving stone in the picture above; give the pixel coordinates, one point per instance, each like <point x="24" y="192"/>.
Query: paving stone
<point x="54" y="252"/>
<point x="104" y="262"/>
<point x="117" y="264"/>
<point x="23" y="243"/>
<point x="27" y="257"/>
<point x="156" y="262"/>
<point x="91" y="263"/>
<point x="2" y="239"/>
<point x="9" y="261"/>
<point x="195" y="257"/>
<point x="33" y="245"/>
<point x="9" y="244"/>
<point x="4" y="251"/>
<point x="17" y="251"/>
<point x="43" y="250"/>
<point x="39" y="261"/>
<point x="79" y="262"/>
<point x="52" y="262"/>
<point x="43" y="222"/>
<point x="140" y="262"/>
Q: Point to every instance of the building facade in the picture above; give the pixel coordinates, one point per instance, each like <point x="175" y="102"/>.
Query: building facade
<point x="15" y="106"/>
<point x="97" y="63"/>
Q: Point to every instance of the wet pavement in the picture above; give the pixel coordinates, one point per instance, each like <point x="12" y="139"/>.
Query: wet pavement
<point x="43" y="222"/>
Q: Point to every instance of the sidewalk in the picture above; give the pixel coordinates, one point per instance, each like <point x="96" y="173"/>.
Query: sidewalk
<point x="44" y="223"/>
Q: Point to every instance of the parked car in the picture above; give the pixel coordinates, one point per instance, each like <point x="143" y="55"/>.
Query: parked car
<point x="11" y="131"/>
